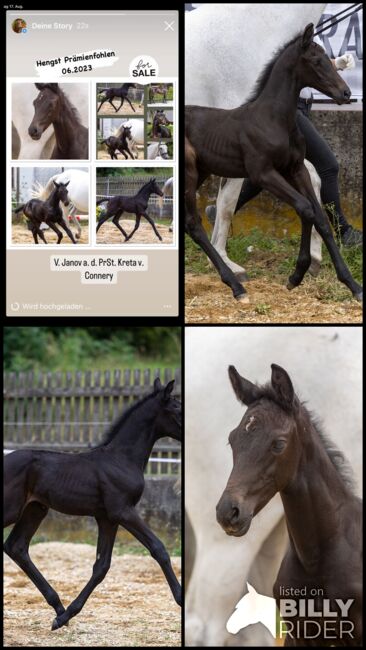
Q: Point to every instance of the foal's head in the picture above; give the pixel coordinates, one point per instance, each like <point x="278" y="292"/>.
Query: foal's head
<point x="46" y="108"/>
<point x="265" y="448"/>
<point x="154" y="187"/>
<point x="314" y="69"/>
<point x="169" y="419"/>
<point x="127" y="132"/>
<point x="62" y="193"/>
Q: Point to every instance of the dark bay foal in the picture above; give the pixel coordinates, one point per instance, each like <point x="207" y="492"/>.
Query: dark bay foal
<point x="137" y="205"/>
<point x="261" y="141"/>
<point x="49" y="212"/>
<point x="52" y="106"/>
<point x="111" y="93"/>
<point x="119" y="143"/>
<point x="277" y="447"/>
<point x="105" y="483"/>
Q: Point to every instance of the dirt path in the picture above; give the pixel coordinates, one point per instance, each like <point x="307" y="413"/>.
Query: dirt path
<point x="107" y="110"/>
<point x="21" y="235"/>
<point x="109" y="234"/>
<point x="133" y="606"/>
<point x="104" y="155"/>
<point x="209" y="301"/>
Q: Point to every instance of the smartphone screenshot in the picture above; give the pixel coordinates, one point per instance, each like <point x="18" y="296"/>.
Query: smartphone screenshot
<point x="92" y="163"/>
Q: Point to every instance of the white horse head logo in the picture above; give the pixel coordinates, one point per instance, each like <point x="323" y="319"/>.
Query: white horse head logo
<point x="253" y="608"/>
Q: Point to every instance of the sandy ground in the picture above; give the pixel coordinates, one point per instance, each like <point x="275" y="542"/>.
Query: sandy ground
<point x="109" y="233"/>
<point x="209" y="301"/>
<point x="108" y="110"/>
<point x="133" y="606"/>
<point x="104" y="155"/>
<point x="21" y="235"/>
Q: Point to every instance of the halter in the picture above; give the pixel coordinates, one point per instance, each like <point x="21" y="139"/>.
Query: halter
<point x="356" y="7"/>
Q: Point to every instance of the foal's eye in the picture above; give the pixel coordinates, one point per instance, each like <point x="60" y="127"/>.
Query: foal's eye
<point x="278" y="445"/>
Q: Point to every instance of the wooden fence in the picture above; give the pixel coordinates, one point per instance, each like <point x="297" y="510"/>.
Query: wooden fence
<point x="71" y="411"/>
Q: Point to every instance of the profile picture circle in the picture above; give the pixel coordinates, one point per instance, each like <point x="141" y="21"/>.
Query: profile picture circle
<point x="18" y="25"/>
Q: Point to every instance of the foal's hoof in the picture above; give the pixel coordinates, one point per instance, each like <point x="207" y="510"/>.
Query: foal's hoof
<point x="243" y="298"/>
<point x="56" y="624"/>
<point x="242" y="276"/>
<point x="290" y="286"/>
<point x="314" y="268"/>
<point x="359" y="296"/>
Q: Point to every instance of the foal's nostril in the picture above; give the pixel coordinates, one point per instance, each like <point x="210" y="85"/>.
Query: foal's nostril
<point x="347" y="94"/>
<point x="234" y="514"/>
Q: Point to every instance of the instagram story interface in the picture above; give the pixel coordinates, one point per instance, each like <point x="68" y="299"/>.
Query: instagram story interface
<point x="92" y="174"/>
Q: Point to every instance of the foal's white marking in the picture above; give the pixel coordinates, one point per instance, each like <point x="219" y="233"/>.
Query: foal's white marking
<point x="251" y="420"/>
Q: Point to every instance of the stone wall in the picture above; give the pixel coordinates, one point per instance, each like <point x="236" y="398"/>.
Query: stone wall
<point x="343" y="132"/>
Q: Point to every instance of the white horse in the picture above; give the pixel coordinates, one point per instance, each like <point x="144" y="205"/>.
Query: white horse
<point x="241" y="39"/>
<point x="78" y="194"/>
<point x="23" y="95"/>
<point x="158" y="151"/>
<point x="137" y="133"/>
<point x="325" y="364"/>
<point x="167" y="191"/>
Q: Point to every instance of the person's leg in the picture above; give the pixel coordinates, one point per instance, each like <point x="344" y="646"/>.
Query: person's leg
<point x="325" y="163"/>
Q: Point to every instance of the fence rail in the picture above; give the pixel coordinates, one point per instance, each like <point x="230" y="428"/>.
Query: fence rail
<point x="71" y="411"/>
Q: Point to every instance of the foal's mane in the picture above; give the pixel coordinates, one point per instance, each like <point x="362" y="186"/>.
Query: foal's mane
<point x="144" y="186"/>
<point x="336" y="457"/>
<point x="266" y="72"/>
<point x="69" y="106"/>
<point x="116" y="426"/>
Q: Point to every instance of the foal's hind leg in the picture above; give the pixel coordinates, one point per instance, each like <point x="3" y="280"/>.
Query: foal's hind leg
<point x="106" y="536"/>
<point x="104" y="218"/>
<point x="17" y="545"/>
<point x="110" y="101"/>
<point x="196" y="231"/>
<point x="115" y="220"/>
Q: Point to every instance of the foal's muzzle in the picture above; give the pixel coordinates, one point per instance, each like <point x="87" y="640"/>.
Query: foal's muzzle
<point x="34" y="132"/>
<point x="233" y="516"/>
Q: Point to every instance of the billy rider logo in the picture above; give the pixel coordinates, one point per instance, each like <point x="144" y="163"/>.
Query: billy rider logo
<point x="299" y="618"/>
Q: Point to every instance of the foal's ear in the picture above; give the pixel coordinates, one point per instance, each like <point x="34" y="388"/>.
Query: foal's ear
<point x="282" y="385"/>
<point x="157" y="384"/>
<point x="245" y="391"/>
<point x="53" y="87"/>
<point x="307" y="36"/>
<point x="168" y="389"/>
<point x="56" y="184"/>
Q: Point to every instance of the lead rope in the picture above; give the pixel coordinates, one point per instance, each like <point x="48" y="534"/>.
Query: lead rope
<point x="356" y="7"/>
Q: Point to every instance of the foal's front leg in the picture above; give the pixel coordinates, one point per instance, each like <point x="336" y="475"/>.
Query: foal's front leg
<point x="130" y="104"/>
<point x="309" y="210"/>
<point x="106" y="537"/>
<point x="130" y="520"/>
<point x="151" y="222"/>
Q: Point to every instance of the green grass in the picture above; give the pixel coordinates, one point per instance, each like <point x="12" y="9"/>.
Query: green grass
<point x="275" y="259"/>
<point x="125" y="543"/>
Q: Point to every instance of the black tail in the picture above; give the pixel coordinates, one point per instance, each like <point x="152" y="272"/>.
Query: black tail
<point x="20" y="208"/>
<point x="101" y="200"/>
